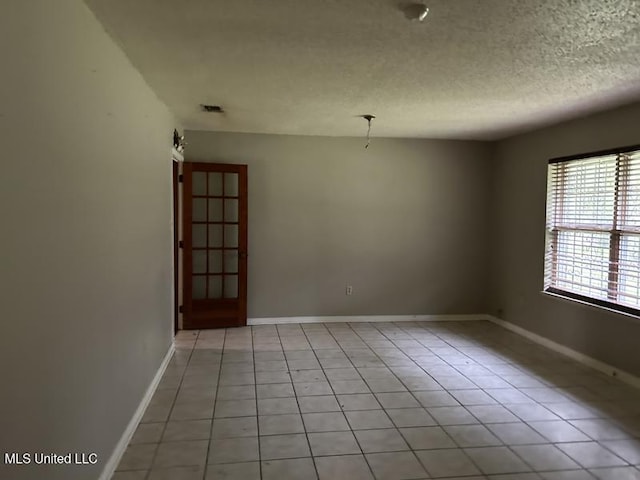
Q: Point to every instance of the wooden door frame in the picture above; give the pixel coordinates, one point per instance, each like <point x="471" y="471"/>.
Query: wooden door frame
<point x="175" y="167"/>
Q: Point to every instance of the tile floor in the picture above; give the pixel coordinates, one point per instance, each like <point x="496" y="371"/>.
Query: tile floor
<point x="385" y="401"/>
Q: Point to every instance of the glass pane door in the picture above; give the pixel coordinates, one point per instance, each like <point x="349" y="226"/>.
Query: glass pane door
<point x="215" y="218"/>
<point x="215" y="202"/>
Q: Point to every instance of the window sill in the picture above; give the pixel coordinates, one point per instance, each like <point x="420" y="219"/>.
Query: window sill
<point x="592" y="303"/>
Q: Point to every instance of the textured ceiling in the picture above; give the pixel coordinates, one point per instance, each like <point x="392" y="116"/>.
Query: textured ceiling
<point x="480" y="69"/>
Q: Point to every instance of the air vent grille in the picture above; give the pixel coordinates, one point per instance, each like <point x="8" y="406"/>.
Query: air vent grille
<point x="212" y="108"/>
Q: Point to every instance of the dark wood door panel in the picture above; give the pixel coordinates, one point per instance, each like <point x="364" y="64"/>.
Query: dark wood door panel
<point x="215" y="245"/>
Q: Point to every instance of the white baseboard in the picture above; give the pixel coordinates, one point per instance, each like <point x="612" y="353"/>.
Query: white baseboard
<point x="365" y="318"/>
<point x="569" y="352"/>
<point x="114" y="460"/>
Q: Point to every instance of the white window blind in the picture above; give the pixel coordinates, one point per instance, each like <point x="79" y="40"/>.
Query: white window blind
<point x="593" y="229"/>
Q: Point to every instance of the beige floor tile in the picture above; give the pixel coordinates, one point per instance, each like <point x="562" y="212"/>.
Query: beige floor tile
<point x="367" y="419"/>
<point x="600" y="429"/>
<point x="472" y="436"/>
<point x="130" y="475"/>
<point x="321" y="403"/>
<point x="343" y="373"/>
<point x="495" y="460"/>
<point x="452" y="415"/>
<point x="284" y="446"/>
<point x="591" y="455"/>
<point x="629" y="450"/>
<point x="272" y="366"/>
<point x="617" y="473"/>
<point x="192" y="410"/>
<point x="237" y="392"/>
<point x="395" y="466"/>
<point x="472" y="397"/>
<point x="308" y="376"/>
<point x="233" y="450"/>
<point x="531" y="412"/>
<point x="187" y="430"/>
<point x="492" y="414"/>
<point x="438" y="398"/>
<point x="272" y="377"/>
<point x="277" y="406"/>
<point x="516" y="433"/>
<point x="447" y="463"/>
<point x="343" y="387"/>
<point x="381" y="440"/>
<point x="567" y="475"/>
<point x="306" y="389"/>
<point x="427" y="438"/>
<point x="397" y="400"/>
<point x="181" y="454"/>
<point x="410" y="417"/>
<point x="545" y="457"/>
<point x="275" y="390"/>
<point x="333" y="443"/>
<point x="138" y="457"/>
<point x="289" y="469"/>
<point x="384" y="385"/>
<point x="559" y="431"/>
<point x="343" y="467"/>
<point x="177" y="473"/>
<point x="235" y="427"/>
<point x="235" y="408"/>
<point x="280" y="424"/>
<point x="358" y="401"/>
<point x="234" y="471"/>
<point x="147" y="433"/>
<point x="325" y="422"/>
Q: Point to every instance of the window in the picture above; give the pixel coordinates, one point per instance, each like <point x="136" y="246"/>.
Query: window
<point x="593" y="229"/>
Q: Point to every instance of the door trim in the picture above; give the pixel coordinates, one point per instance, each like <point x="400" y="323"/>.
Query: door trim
<point x="175" y="167"/>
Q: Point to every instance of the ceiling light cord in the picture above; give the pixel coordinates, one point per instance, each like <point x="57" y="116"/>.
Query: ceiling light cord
<point x="368" y="118"/>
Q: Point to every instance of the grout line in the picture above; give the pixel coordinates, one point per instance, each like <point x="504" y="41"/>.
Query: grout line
<point x="255" y="390"/>
<point x="304" y="425"/>
<point x="478" y="387"/>
<point x="442" y="427"/>
<point x="295" y="395"/>
<point x="410" y="392"/>
<point x="215" y="401"/>
<point x="336" y="396"/>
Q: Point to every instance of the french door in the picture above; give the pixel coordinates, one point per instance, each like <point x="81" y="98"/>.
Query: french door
<point x="215" y="245"/>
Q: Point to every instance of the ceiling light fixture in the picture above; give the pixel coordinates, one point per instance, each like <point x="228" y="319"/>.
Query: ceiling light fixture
<point x="368" y="118"/>
<point x="416" y="11"/>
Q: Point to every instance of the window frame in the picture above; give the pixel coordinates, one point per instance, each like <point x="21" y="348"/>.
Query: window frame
<point x="614" y="239"/>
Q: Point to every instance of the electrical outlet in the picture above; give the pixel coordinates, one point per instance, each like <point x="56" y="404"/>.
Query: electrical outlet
<point x="349" y="290"/>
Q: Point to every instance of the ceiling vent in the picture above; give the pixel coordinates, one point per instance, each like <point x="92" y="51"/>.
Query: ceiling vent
<point x="212" y="108"/>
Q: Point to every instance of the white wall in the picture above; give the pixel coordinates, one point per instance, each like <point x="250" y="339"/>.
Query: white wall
<point x="404" y="223"/>
<point x="85" y="203"/>
<point x="518" y="245"/>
